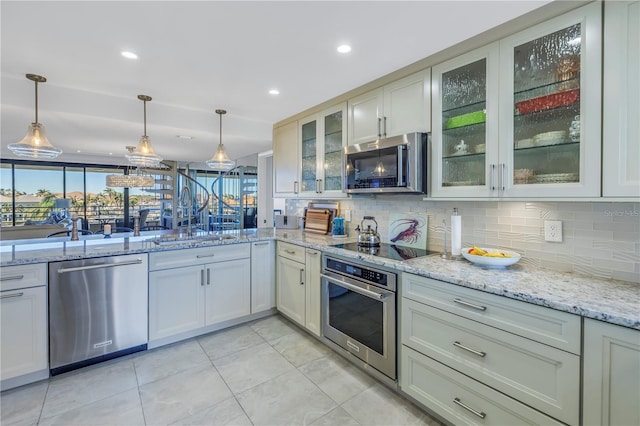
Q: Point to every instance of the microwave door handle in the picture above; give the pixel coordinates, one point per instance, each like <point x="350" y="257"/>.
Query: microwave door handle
<point x="400" y="172"/>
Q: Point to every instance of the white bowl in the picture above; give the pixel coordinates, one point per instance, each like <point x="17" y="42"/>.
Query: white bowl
<point x="492" y="262"/>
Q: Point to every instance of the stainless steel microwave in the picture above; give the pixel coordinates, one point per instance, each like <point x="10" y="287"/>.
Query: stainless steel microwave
<point x="396" y="164"/>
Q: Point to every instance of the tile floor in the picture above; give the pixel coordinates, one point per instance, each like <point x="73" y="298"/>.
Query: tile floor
<point x="267" y="372"/>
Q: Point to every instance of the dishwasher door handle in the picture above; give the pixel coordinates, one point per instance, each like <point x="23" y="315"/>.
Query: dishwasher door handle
<point x="99" y="266"/>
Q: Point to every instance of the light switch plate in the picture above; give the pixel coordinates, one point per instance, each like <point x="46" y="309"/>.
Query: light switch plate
<point x="347" y="215"/>
<point x="553" y="231"/>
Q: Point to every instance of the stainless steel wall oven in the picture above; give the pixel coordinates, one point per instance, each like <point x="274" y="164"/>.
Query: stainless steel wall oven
<point x="359" y="311"/>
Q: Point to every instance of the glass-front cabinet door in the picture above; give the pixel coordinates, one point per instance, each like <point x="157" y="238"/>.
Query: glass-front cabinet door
<point x="322" y="138"/>
<point x="550" y="108"/>
<point x="465" y="119"/>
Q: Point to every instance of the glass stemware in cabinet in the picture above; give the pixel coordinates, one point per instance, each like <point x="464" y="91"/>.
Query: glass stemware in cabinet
<point x="464" y="125"/>
<point x="546" y="129"/>
<point x="309" y="161"/>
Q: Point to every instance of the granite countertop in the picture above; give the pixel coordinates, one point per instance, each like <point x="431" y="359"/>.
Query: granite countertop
<point x="616" y="302"/>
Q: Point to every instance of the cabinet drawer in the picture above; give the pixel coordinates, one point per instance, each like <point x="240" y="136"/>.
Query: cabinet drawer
<point x="448" y="392"/>
<point x="545" y="325"/>
<point x="23" y="276"/>
<point x="198" y="256"/>
<point x="291" y="251"/>
<point x="538" y="375"/>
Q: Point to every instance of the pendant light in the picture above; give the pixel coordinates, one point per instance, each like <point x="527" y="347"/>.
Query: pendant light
<point x="143" y="155"/>
<point x="35" y="144"/>
<point x="130" y="180"/>
<point x="220" y="160"/>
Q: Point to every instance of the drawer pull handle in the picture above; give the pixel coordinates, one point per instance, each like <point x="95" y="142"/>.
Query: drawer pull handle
<point x="470" y="305"/>
<point x="290" y="251"/>
<point x="261" y="244"/>
<point x="466" y="407"/>
<point x="473" y="351"/>
<point x="7" y="296"/>
<point x="13" y="277"/>
<point x="200" y="256"/>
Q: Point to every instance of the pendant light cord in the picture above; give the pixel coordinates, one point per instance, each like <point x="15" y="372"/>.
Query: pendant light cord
<point x="145" y="118"/>
<point x="36" y="101"/>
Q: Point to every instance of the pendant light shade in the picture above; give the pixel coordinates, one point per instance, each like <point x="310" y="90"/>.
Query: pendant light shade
<point x="143" y="155"/>
<point x="130" y="180"/>
<point x="220" y="160"/>
<point x="35" y="144"/>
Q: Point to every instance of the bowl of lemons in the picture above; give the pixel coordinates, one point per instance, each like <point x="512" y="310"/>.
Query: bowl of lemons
<point x="490" y="257"/>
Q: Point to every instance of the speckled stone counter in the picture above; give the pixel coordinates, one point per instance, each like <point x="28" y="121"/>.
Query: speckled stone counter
<point x="616" y="302"/>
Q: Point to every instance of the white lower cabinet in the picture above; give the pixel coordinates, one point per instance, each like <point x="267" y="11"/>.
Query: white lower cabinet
<point x="24" y="353"/>
<point x="212" y="287"/>
<point x="611" y="381"/>
<point x="298" y="285"/>
<point x="524" y="372"/>
<point x="460" y="399"/>
<point x="263" y="286"/>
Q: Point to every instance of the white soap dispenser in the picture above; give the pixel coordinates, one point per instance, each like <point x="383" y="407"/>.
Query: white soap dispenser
<point x="456" y="234"/>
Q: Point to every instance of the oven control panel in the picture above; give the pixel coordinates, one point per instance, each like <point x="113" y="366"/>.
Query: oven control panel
<point x="361" y="272"/>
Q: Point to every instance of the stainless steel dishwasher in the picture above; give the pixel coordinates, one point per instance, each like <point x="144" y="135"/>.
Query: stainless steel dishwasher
<point x="97" y="310"/>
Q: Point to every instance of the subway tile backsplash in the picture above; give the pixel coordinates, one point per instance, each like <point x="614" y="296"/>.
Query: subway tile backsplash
<point x="600" y="239"/>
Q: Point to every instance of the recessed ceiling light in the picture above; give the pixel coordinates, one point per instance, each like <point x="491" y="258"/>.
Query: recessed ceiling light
<point x="184" y="137"/>
<point x="78" y="150"/>
<point x="274" y="92"/>
<point x="129" y="55"/>
<point x="344" y="48"/>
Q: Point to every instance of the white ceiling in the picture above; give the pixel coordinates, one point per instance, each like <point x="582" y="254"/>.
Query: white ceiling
<point x="197" y="56"/>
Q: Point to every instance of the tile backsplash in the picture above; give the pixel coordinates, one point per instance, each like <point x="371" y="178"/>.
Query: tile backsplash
<point x="599" y="238"/>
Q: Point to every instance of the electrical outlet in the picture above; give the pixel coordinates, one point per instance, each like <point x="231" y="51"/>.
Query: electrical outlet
<point x="553" y="230"/>
<point x="347" y="215"/>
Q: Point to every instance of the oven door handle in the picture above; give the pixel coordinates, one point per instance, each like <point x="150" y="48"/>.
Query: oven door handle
<point x="357" y="289"/>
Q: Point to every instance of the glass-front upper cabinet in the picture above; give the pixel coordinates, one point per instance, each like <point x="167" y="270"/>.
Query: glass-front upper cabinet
<point x="550" y="108"/>
<point x="465" y="123"/>
<point x="322" y="137"/>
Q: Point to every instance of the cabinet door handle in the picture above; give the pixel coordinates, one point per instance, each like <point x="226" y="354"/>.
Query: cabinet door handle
<point x="7" y="296"/>
<point x="470" y="305"/>
<point x="200" y="256"/>
<point x="384" y="127"/>
<point x="503" y="166"/>
<point x="202" y="277"/>
<point x="492" y="173"/>
<point x="295" y="187"/>
<point x="208" y="276"/>
<point x="471" y="410"/>
<point x="319" y="186"/>
<point x="301" y="276"/>
<point x="12" y="277"/>
<point x="379" y="127"/>
<point x="468" y="349"/>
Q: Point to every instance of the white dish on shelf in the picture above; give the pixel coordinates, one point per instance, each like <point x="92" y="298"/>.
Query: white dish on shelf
<point x="557" y="134"/>
<point x="491" y="262"/>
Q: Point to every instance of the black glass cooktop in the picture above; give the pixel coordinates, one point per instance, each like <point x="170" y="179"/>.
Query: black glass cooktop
<point x="389" y="251"/>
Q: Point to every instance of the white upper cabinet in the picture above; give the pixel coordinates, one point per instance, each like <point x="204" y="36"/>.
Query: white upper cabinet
<point x="285" y="160"/>
<point x="322" y="137"/>
<point x="621" y="99"/>
<point x="550" y="106"/>
<point x="465" y="123"/>
<point x="402" y="106"/>
<point x="521" y="117"/>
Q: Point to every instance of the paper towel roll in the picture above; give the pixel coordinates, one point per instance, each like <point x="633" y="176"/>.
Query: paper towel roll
<point x="456" y="234"/>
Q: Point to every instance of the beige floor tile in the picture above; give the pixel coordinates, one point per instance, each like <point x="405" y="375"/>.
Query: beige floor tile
<point x="226" y="342"/>
<point x="336" y="417"/>
<point x="22" y="406"/>
<point x="76" y="389"/>
<point x="163" y="362"/>
<point x="289" y="399"/>
<point x="181" y="395"/>
<point x="250" y="367"/>
<point x="122" y="409"/>
<point x="299" y="349"/>
<point x="337" y="377"/>
<point x="227" y="412"/>
<point x="273" y="328"/>
<point x="380" y="406"/>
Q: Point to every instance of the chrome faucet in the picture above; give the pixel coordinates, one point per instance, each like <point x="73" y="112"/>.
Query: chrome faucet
<point x="186" y="192"/>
